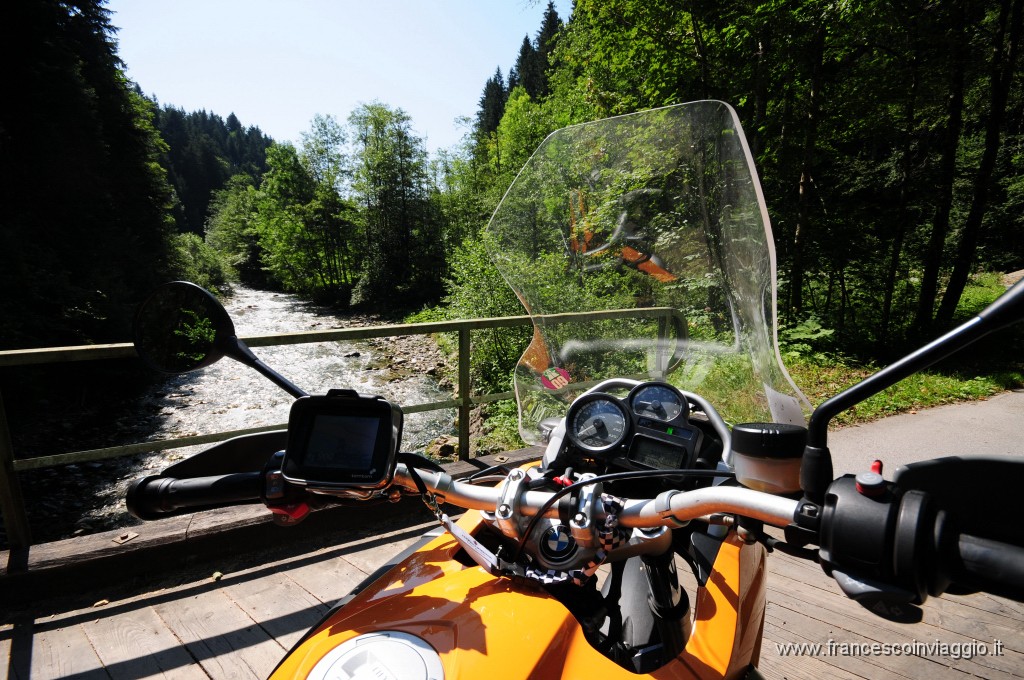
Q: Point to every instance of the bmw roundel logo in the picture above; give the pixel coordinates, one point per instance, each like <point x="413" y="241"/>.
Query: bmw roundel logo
<point x="557" y="544"/>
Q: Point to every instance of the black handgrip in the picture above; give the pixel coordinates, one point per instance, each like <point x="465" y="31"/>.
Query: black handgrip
<point x="990" y="566"/>
<point x="155" y="496"/>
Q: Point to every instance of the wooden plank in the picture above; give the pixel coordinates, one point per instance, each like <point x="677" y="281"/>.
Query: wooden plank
<point x="152" y="446"/>
<point x="71" y="551"/>
<point x="799" y="628"/>
<point x="64" y="651"/>
<point x="866" y="627"/>
<point x="8" y="663"/>
<point x="1003" y="606"/>
<point x="327" y="579"/>
<point x="333" y="572"/>
<point x="464" y="391"/>
<point x="979" y="616"/>
<point x="806" y="627"/>
<point x="230" y="518"/>
<point x="515" y="458"/>
<point x="12" y="503"/>
<point x="986" y="608"/>
<point x="284" y="609"/>
<point x="795" y="667"/>
<point x="220" y="636"/>
<point x="137" y="644"/>
<point x="369" y="559"/>
<point x="50" y="355"/>
<point x="970" y="617"/>
<point x="814" y="595"/>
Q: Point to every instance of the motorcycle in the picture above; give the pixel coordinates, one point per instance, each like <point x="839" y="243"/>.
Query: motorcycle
<point x="672" y="437"/>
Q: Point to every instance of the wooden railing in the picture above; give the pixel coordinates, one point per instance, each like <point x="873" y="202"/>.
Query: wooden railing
<point x="12" y="505"/>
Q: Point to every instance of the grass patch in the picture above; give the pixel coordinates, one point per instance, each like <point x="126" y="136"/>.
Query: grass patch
<point x="500" y="428"/>
<point x="819" y="381"/>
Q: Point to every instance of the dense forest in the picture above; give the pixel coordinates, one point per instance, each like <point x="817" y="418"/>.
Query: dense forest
<point x="889" y="137"/>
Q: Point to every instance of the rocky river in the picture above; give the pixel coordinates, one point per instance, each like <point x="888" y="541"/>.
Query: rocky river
<point x="85" y="498"/>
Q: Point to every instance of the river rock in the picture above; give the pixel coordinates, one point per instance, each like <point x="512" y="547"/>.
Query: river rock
<point x="443" y="448"/>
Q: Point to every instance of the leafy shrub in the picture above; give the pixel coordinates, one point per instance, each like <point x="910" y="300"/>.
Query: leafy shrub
<point x="806" y="339"/>
<point x="196" y="261"/>
<point x="476" y="290"/>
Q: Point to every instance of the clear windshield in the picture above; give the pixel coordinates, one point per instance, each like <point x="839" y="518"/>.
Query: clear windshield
<point x="641" y="247"/>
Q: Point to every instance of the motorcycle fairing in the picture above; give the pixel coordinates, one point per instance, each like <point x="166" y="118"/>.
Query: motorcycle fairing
<point x="488" y="627"/>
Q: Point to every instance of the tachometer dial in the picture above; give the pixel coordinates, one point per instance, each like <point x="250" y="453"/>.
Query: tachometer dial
<point x="597" y="423"/>
<point x="657" y="401"/>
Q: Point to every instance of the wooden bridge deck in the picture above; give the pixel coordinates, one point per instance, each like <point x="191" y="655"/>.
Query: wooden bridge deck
<point x="240" y="623"/>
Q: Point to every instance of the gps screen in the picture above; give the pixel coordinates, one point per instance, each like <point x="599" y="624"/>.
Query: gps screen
<point x="342" y="441"/>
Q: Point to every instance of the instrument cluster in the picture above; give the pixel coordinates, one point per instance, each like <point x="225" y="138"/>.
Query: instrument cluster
<point x="649" y="429"/>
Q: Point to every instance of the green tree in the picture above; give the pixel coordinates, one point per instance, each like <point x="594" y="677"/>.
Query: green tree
<point x="546" y="40"/>
<point x="307" y="231"/>
<point x="200" y="263"/>
<point x="524" y="125"/>
<point x="233" y="230"/>
<point x="323" y="152"/>
<point x="492" y="104"/>
<point x="402" y="258"/>
<point x="888" y="137"/>
<point x="459" y="196"/>
<point x="1003" y="69"/>
<point x="528" y="73"/>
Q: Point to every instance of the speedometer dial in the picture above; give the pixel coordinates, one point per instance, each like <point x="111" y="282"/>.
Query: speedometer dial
<point x="657" y="401"/>
<point x="597" y="423"/>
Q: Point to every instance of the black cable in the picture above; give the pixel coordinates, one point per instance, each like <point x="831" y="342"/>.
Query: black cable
<point x="486" y="471"/>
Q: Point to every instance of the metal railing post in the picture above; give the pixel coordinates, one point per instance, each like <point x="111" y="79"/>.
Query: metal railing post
<point x="12" y="504"/>
<point x="465" y="404"/>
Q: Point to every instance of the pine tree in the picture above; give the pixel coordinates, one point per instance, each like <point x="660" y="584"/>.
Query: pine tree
<point x="550" y="26"/>
<point x="204" y="151"/>
<point x="530" y="70"/>
<point x="492" y="104"/>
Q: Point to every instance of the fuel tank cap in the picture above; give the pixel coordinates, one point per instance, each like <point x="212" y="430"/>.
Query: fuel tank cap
<point x="384" y="655"/>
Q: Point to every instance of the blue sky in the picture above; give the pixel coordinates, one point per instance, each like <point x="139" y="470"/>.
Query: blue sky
<point x="276" y="63"/>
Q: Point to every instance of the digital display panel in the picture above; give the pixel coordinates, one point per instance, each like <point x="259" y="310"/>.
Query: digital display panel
<point x="656" y="454"/>
<point x="342" y="441"/>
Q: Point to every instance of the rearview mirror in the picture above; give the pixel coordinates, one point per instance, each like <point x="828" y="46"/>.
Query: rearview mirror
<point x="180" y="328"/>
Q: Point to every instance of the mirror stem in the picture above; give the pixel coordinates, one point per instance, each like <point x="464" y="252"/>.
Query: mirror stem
<point x="239" y="351"/>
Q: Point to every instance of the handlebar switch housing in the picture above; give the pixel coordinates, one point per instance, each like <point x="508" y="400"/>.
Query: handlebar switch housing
<point x="877" y="545"/>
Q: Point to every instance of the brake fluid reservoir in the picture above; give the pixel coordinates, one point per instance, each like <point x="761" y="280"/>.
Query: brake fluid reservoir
<point x="767" y="456"/>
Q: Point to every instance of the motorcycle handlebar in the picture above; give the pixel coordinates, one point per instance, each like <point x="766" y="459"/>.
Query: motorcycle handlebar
<point x="847" y="532"/>
<point x="990" y="566"/>
<point x="911" y="544"/>
<point x="971" y="562"/>
<point x="154" y="496"/>
<point x="667" y="510"/>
